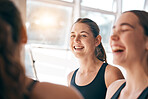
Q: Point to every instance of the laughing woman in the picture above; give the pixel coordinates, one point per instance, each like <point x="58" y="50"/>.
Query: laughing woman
<point x="129" y="44"/>
<point x="94" y="75"/>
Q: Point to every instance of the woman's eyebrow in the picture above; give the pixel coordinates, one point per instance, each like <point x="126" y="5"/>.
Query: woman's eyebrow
<point x="84" y="32"/>
<point x="81" y="32"/>
<point x="126" y="24"/>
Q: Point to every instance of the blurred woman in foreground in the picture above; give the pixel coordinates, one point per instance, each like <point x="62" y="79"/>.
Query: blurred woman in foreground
<point x="13" y="82"/>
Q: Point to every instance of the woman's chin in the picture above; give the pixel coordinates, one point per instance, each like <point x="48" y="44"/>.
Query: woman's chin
<point x="117" y="62"/>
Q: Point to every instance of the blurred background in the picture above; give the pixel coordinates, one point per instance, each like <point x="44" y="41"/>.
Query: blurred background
<point x="48" y="23"/>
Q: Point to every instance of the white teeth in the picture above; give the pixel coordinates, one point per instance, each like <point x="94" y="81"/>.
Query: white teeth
<point x="78" y="47"/>
<point x="116" y="48"/>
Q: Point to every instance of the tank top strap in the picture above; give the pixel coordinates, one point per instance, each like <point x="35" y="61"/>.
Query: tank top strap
<point x="30" y="88"/>
<point x="101" y="71"/>
<point x="103" y="67"/>
<point x="144" y="94"/>
<point x="116" y="95"/>
<point x="73" y="76"/>
<point x="32" y="84"/>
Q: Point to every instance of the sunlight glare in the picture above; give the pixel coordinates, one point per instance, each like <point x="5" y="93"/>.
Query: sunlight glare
<point x="46" y="20"/>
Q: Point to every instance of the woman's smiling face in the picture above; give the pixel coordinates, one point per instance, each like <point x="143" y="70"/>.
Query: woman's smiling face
<point x="128" y="40"/>
<point x="82" y="41"/>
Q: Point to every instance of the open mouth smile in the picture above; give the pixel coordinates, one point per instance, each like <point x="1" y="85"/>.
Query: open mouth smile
<point x="78" y="48"/>
<point x="117" y="49"/>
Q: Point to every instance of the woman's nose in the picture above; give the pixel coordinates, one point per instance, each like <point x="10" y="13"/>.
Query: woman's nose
<point x="114" y="37"/>
<point x="77" y="39"/>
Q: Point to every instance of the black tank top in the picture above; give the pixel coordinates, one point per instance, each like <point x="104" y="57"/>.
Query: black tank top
<point x="143" y="95"/>
<point x="94" y="90"/>
<point x="30" y="88"/>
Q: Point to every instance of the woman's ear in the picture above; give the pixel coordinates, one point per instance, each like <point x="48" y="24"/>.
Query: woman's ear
<point x="24" y="35"/>
<point x="98" y="40"/>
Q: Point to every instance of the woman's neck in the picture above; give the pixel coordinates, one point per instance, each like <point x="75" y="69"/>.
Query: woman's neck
<point x="136" y="80"/>
<point x="89" y="64"/>
<point x="136" y="77"/>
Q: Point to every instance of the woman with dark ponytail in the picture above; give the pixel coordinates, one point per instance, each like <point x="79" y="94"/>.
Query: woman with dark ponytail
<point x="94" y="75"/>
<point x="13" y="82"/>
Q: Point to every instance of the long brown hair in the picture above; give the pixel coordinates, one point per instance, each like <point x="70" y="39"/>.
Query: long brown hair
<point x="99" y="51"/>
<point x="12" y="74"/>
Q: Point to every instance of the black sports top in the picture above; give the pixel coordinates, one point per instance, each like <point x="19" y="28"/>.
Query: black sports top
<point x="143" y="95"/>
<point x="94" y="90"/>
<point x="30" y="88"/>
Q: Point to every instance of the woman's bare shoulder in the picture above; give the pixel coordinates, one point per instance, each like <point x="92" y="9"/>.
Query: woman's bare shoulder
<point x="111" y="68"/>
<point x="45" y="90"/>
<point x="113" y="88"/>
<point x="112" y="74"/>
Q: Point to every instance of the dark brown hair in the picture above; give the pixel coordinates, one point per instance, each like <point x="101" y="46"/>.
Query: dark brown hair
<point x="143" y="19"/>
<point x="99" y="51"/>
<point x="12" y="74"/>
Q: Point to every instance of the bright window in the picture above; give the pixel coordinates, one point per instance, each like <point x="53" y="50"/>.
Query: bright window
<point x="109" y="5"/>
<point x="48" y="23"/>
<point x="48" y="27"/>
<point x="132" y="5"/>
